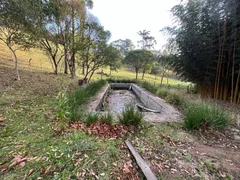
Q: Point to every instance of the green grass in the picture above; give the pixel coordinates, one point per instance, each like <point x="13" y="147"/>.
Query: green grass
<point x="124" y="73"/>
<point x="107" y="118"/>
<point x="163" y="93"/>
<point x="79" y="97"/>
<point x="203" y="115"/>
<point x="149" y="86"/>
<point x="30" y="129"/>
<point x="130" y="116"/>
<point x="91" y="118"/>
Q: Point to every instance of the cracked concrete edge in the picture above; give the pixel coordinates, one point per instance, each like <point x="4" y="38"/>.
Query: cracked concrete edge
<point x="96" y="102"/>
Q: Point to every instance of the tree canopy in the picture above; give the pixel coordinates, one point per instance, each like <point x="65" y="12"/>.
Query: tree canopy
<point x="137" y="59"/>
<point x="206" y="35"/>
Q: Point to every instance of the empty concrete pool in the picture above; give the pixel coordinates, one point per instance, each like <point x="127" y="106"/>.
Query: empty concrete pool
<point x="115" y="97"/>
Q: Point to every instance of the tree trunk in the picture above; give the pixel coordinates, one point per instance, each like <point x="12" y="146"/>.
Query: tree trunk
<point x="143" y="74"/>
<point x="55" y="65"/>
<point x="56" y="70"/>
<point x="233" y="66"/>
<point x="161" y="81"/>
<point x="16" y="63"/>
<point x="83" y="68"/>
<point x="72" y="66"/>
<point x="91" y="76"/>
<point x="163" y="74"/>
<point x="136" y="70"/>
<point x="65" y="60"/>
<point x="110" y="71"/>
<point x="73" y="71"/>
<point x="237" y="87"/>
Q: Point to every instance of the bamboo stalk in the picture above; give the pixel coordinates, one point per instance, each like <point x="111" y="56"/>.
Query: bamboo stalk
<point x="237" y="87"/>
<point x="233" y="65"/>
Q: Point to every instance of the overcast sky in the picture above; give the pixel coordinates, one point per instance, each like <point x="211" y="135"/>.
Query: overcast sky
<point x="124" y="18"/>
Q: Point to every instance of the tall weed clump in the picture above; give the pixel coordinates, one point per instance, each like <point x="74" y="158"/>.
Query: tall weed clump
<point x="201" y="115"/>
<point x="149" y="86"/>
<point x="172" y="98"/>
<point x="79" y="97"/>
<point x="130" y="116"/>
<point x="62" y="105"/>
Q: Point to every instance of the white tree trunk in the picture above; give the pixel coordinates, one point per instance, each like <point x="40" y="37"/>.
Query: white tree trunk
<point x="16" y="63"/>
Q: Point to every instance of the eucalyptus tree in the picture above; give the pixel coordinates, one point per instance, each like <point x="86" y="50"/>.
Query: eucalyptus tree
<point x="72" y="18"/>
<point x="123" y="45"/>
<point x="113" y="59"/>
<point x="137" y="59"/>
<point x="147" y="42"/>
<point x="94" y="50"/>
<point x="50" y="35"/>
<point x="18" y="20"/>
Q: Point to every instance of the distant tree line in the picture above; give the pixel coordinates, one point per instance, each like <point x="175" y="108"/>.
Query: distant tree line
<point x="206" y="38"/>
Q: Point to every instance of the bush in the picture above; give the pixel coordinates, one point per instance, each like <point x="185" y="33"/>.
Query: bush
<point x="162" y="93"/>
<point x="171" y="98"/>
<point x="91" y="118"/>
<point x="203" y="115"/>
<point x="112" y="80"/>
<point x="62" y="105"/>
<point x="80" y="97"/>
<point x="107" y="118"/>
<point x="150" y="87"/>
<point x="130" y="116"/>
<point x="175" y="100"/>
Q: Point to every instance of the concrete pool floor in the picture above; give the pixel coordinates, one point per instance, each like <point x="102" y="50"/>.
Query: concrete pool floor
<point x="114" y="101"/>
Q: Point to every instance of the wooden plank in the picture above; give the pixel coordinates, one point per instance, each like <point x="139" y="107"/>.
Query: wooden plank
<point x="141" y="163"/>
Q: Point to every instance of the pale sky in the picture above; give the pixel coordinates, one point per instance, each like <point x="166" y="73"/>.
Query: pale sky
<point x="124" y="18"/>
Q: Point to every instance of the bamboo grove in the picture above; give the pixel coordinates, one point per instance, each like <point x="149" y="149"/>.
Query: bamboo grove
<point x="206" y="39"/>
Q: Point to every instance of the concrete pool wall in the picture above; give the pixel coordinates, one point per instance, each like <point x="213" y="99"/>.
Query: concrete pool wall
<point x="150" y="101"/>
<point x="143" y="96"/>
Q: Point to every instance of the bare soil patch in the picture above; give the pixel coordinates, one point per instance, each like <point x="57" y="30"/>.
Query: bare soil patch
<point x="172" y="153"/>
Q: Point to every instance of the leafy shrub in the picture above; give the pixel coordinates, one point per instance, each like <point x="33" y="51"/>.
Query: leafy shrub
<point x="162" y="93"/>
<point x="175" y="100"/>
<point x="107" y="118"/>
<point x="91" y="118"/>
<point x="171" y="98"/>
<point x="80" y="97"/>
<point x="149" y="86"/>
<point x="130" y="116"/>
<point x="112" y="80"/>
<point x="203" y="115"/>
<point x="62" y="104"/>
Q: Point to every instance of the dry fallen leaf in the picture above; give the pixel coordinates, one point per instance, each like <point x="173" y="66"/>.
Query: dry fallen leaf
<point x="223" y="174"/>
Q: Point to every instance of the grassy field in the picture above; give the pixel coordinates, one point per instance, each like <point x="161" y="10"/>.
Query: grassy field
<point x="41" y="62"/>
<point x="36" y="145"/>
